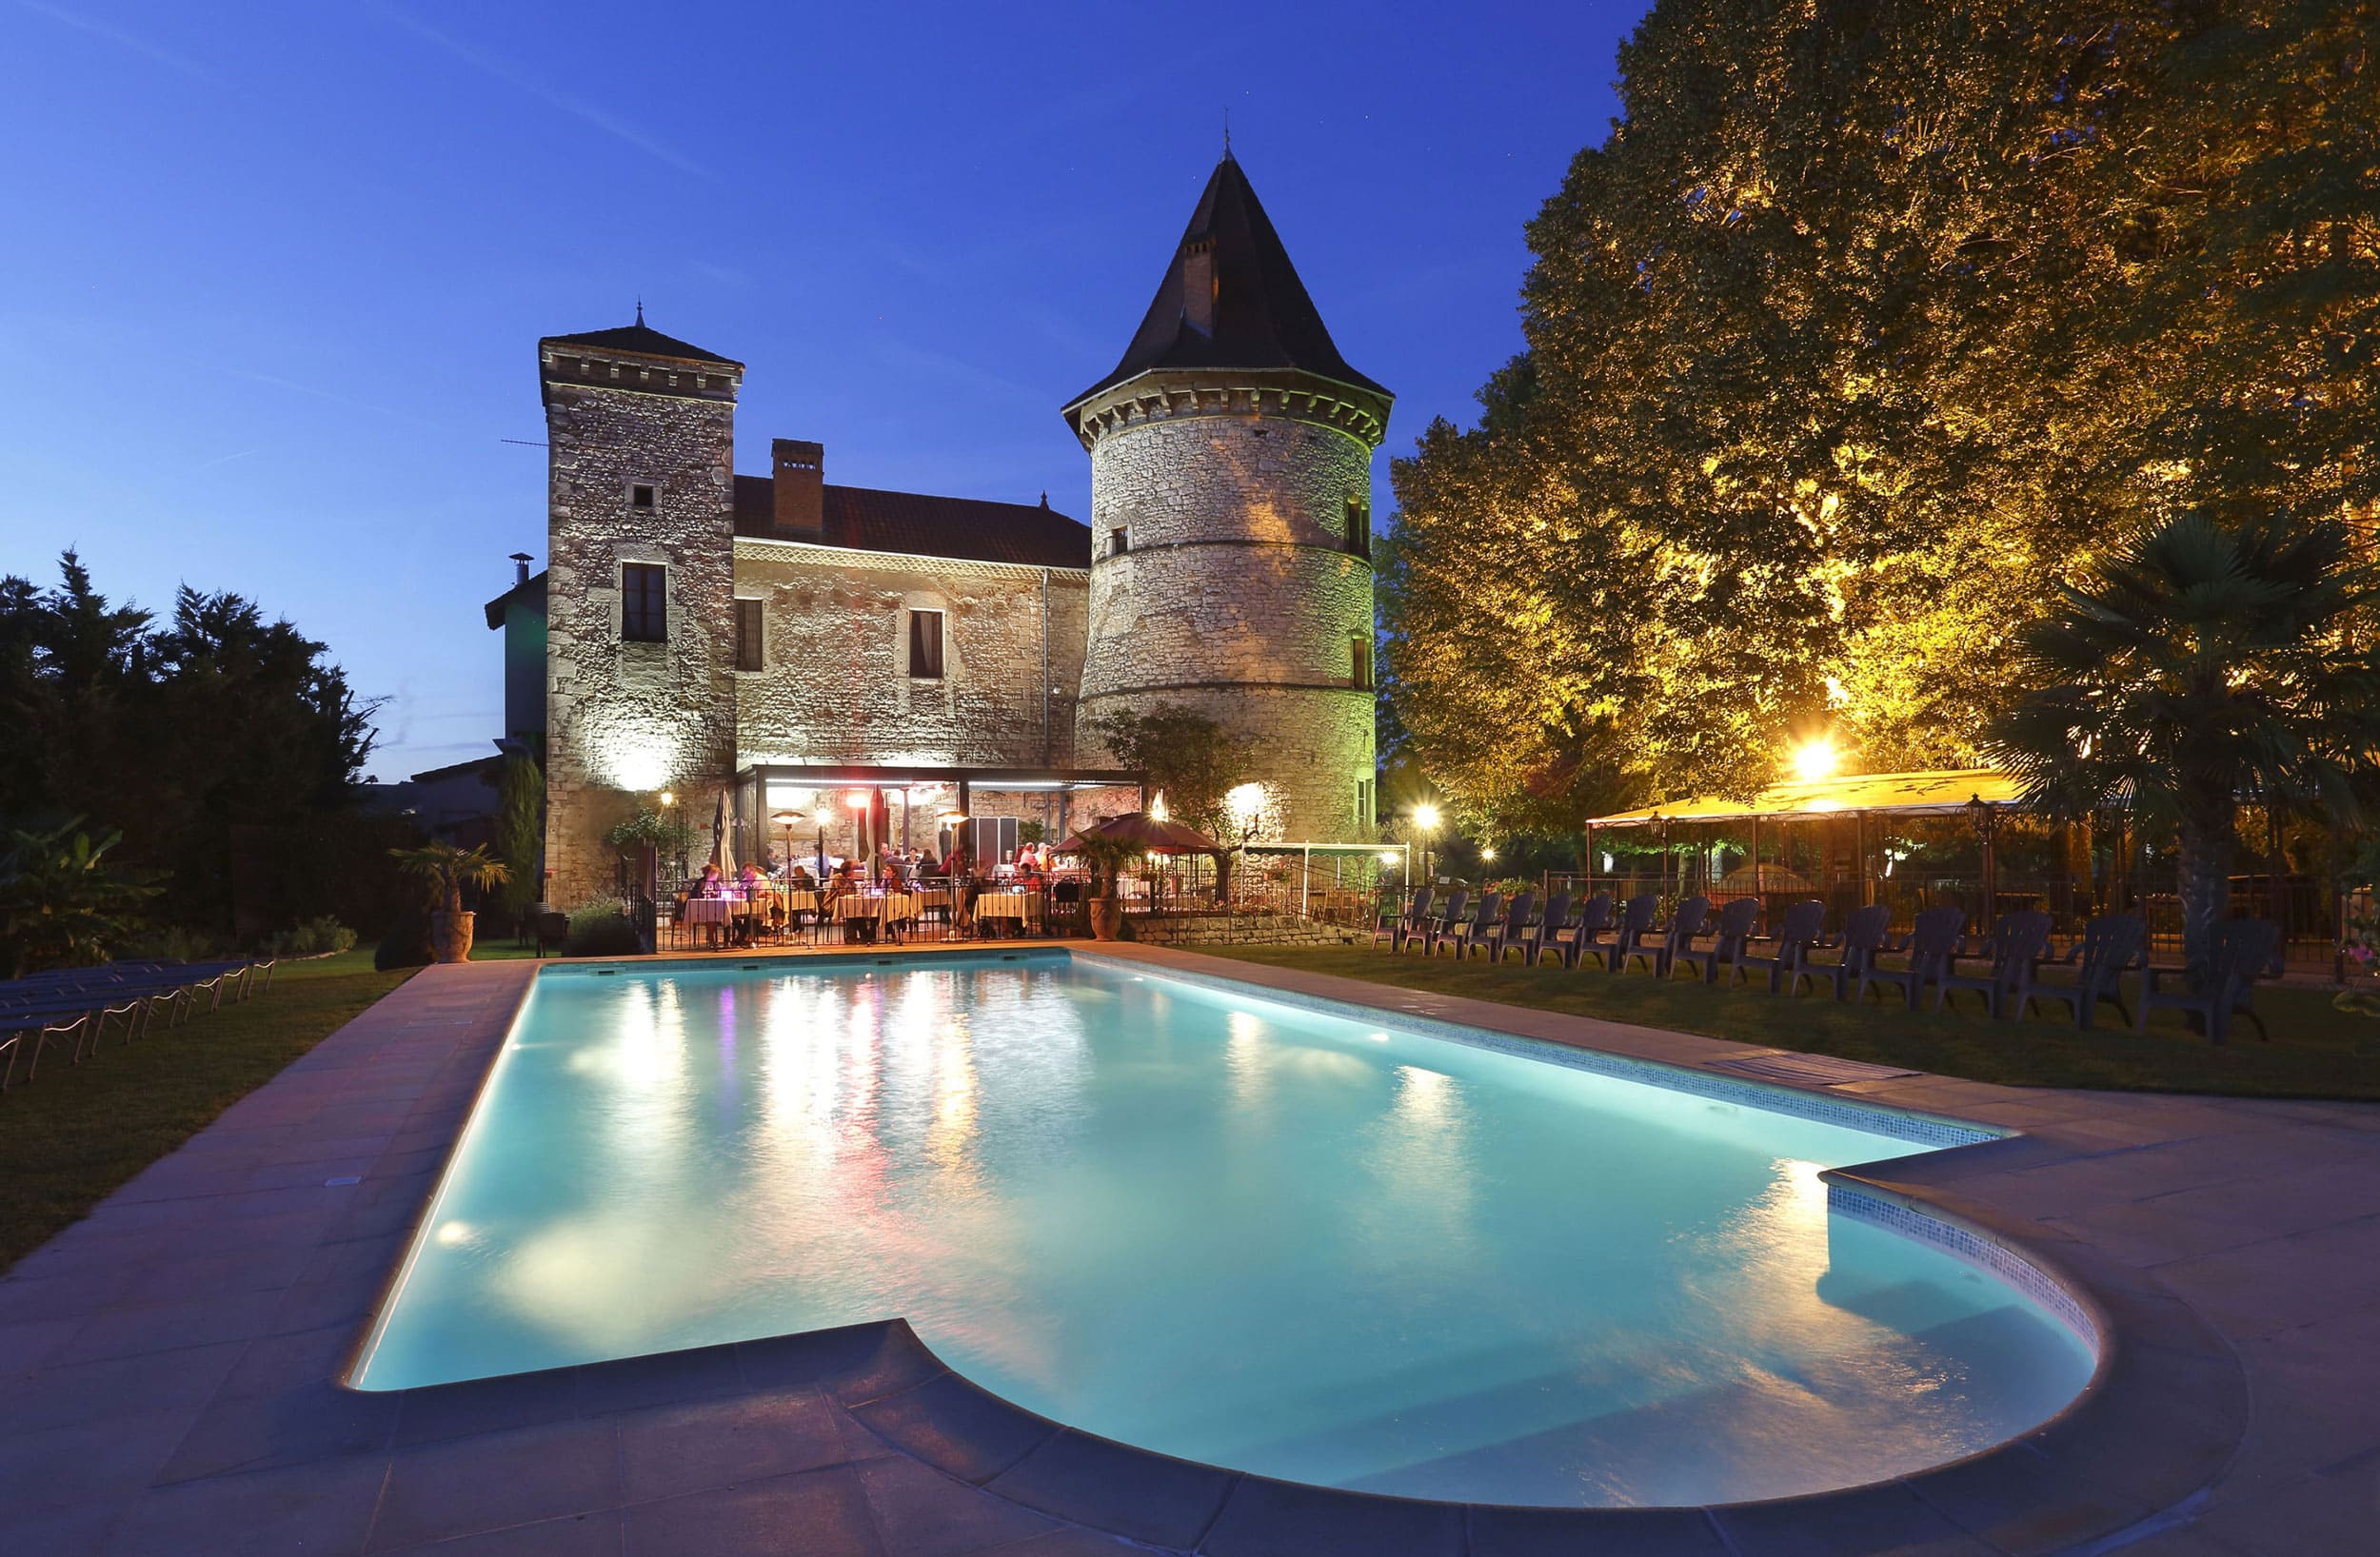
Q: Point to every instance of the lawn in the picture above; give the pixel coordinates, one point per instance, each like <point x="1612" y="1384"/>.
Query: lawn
<point x="2316" y="1051"/>
<point x="78" y="1131"/>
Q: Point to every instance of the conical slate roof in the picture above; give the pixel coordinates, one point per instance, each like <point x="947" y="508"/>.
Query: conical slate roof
<point x="1261" y="315"/>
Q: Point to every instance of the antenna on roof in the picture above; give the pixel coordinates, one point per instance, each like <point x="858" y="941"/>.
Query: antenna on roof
<point x="640" y="310"/>
<point x="1227" y="134"/>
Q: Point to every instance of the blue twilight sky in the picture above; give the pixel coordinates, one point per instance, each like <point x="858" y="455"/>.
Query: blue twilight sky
<point x="273" y="271"/>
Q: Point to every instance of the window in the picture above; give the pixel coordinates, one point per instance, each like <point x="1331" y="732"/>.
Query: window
<point x="1117" y="543"/>
<point x="1360" y="661"/>
<point x="1359" y="527"/>
<point x="639" y="496"/>
<point x="644" y="609"/>
<point x="926" y="646"/>
<point x="1363" y="803"/>
<point x="749" y="634"/>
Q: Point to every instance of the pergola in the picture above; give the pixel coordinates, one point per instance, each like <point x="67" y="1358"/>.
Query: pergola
<point x="1978" y="793"/>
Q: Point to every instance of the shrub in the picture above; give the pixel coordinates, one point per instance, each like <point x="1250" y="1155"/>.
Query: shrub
<point x="179" y="943"/>
<point x="602" y="932"/>
<point x="316" y="936"/>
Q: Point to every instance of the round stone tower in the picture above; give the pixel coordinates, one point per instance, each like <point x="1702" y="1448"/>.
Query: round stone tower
<point x="1231" y="571"/>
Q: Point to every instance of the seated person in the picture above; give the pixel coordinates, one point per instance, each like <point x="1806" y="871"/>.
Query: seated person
<point x="711" y="885"/>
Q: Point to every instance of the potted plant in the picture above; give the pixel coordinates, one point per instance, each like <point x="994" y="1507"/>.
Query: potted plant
<point x="444" y="871"/>
<point x="1103" y="858"/>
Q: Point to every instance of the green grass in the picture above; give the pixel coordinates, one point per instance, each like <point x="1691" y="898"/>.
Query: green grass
<point x="75" y="1134"/>
<point x="2316" y="1051"/>
<point x="501" y="950"/>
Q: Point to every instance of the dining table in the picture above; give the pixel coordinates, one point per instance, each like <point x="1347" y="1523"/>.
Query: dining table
<point x="1022" y="907"/>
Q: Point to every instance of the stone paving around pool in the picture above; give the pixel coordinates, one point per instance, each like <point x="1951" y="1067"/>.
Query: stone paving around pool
<point x="170" y="1366"/>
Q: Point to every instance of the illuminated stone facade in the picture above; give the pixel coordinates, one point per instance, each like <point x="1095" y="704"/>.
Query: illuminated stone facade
<point x="701" y="624"/>
<point x="835" y="685"/>
<point x="641" y="463"/>
<point x="1231" y="576"/>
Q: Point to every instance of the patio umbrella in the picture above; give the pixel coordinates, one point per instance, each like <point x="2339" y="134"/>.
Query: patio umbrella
<point x="1147" y="833"/>
<point x="721" y="851"/>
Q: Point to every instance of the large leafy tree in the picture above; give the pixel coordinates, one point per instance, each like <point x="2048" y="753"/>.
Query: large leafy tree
<point x="2197" y="667"/>
<point x="1867" y="325"/>
<point x="184" y="734"/>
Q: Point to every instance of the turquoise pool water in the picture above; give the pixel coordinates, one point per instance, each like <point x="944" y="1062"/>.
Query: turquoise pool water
<point x="1298" y="1244"/>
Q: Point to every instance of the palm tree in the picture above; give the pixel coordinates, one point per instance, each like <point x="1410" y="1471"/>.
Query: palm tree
<point x="444" y="872"/>
<point x="2197" y="667"/>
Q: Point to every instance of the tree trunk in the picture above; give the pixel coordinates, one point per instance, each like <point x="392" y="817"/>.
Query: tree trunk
<point x="2203" y="867"/>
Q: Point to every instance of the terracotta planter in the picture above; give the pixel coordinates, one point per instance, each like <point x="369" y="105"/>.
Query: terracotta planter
<point x="450" y="937"/>
<point x="1107" y="919"/>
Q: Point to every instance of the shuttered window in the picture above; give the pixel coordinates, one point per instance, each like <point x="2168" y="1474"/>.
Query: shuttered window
<point x="644" y="608"/>
<point x="748" y="646"/>
<point x="926" y="646"/>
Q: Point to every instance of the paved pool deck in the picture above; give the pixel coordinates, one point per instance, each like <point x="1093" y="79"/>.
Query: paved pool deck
<point x="169" y="1366"/>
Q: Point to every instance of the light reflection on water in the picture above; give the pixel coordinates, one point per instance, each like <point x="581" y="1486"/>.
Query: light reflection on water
<point x="1233" y="1233"/>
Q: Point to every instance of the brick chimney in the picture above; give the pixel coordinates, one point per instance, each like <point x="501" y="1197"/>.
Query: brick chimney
<point x="800" y="472"/>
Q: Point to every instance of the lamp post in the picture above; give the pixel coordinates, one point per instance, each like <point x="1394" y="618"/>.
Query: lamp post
<point x="1985" y="819"/>
<point x="1425" y="821"/>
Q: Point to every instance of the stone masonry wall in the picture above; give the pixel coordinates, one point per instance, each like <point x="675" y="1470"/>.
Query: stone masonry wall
<point x="837" y="687"/>
<point x="625" y="720"/>
<point x="1235" y="596"/>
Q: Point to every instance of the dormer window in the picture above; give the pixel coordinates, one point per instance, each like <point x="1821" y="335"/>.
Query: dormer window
<point x="640" y="496"/>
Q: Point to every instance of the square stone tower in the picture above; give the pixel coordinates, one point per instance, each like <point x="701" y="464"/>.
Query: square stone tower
<point x="639" y="694"/>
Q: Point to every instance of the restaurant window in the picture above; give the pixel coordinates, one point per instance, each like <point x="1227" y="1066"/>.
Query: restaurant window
<point x="1360" y="527"/>
<point x="639" y="496"/>
<point x="926" y="646"/>
<point x="1117" y="543"/>
<point x="1360" y="661"/>
<point x="748" y="646"/>
<point x="644" y="608"/>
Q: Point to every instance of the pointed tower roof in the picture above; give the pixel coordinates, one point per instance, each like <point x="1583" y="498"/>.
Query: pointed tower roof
<point x="644" y="341"/>
<point x="1257" y="314"/>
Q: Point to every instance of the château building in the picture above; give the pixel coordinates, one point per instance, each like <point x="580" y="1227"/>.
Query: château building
<point x="876" y="660"/>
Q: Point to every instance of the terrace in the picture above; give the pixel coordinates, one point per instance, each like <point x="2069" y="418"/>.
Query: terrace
<point x="177" y="1356"/>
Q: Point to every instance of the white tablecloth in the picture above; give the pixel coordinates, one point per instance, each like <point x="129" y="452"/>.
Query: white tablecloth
<point x="1008" y="905"/>
<point x="705" y="911"/>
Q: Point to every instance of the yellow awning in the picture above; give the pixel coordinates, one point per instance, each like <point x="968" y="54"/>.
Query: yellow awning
<point x="1937" y="794"/>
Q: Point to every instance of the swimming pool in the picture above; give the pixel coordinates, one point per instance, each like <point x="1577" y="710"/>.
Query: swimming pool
<point x="1298" y="1242"/>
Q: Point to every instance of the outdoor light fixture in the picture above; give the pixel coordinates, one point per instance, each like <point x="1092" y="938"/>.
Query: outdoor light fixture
<point x="668" y="798"/>
<point x="1487" y="854"/>
<point x="1388" y="857"/>
<point x="1157" y="807"/>
<point x="1425" y="818"/>
<point x="1817" y="760"/>
<point x="857" y="799"/>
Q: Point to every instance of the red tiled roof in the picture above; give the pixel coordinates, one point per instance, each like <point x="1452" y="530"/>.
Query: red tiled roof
<point x="915" y="524"/>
